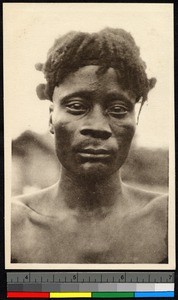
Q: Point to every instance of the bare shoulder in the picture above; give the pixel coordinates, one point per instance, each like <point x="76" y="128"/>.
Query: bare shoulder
<point x="36" y="202"/>
<point x="149" y="202"/>
<point x="143" y="195"/>
<point x="27" y="215"/>
<point x="159" y="208"/>
<point x="19" y="212"/>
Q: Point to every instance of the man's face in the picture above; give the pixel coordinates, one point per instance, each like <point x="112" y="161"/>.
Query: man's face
<point x="93" y="121"/>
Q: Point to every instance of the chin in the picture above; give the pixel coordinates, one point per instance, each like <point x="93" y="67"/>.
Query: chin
<point x="95" y="171"/>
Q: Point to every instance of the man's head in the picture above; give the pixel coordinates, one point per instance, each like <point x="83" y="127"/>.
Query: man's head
<point x="94" y="81"/>
<point x="114" y="48"/>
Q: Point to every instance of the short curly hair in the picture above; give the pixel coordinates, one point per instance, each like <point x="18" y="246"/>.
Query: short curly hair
<point x="107" y="48"/>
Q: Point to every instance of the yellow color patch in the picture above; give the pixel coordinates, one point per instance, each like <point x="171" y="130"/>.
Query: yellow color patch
<point x="70" y="295"/>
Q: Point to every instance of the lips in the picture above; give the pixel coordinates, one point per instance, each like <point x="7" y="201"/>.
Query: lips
<point x="94" y="154"/>
<point x="95" y="151"/>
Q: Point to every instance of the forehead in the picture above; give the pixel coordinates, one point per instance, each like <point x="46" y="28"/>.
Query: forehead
<point x="87" y="79"/>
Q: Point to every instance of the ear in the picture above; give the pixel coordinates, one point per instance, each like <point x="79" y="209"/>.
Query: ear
<point x="152" y="82"/>
<point x="51" y="126"/>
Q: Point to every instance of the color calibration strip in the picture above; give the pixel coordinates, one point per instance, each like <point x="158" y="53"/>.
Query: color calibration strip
<point x="90" y="295"/>
<point x="90" y="285"/>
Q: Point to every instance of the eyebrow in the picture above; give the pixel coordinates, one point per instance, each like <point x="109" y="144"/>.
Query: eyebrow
<point x="114" y="95"/>
<point x="79" y="93"/>
<point x="117" y="95"/>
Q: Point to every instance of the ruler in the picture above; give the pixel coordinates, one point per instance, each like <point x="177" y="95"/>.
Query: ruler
<point x="90" y="284"/>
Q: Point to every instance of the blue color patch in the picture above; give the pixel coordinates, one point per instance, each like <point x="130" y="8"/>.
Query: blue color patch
<point x="153" y="294"/>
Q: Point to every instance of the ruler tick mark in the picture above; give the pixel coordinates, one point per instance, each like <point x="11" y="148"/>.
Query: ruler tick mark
<point x="89" y="277"/>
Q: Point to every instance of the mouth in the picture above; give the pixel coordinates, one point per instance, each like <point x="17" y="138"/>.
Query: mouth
<point x="95" y="151"/>
<point x="94" y="154"/>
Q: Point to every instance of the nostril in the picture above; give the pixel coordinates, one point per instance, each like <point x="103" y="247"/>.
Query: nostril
<point x="102" y="134"/>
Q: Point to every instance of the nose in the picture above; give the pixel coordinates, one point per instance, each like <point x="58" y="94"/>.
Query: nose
<point x="96" y="125"/>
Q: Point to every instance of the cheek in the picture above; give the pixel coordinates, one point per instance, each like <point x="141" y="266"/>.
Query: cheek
<point x="65" y="133"/>
<point x="61" y="125"/>
<point x="124" y="131"/>
<point x="63" y="140"/>
<point x="124" y="139"/>
<point x="62" y="134"/>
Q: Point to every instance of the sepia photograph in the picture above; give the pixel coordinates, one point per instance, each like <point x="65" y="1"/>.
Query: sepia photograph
<point x="89" y="136"/>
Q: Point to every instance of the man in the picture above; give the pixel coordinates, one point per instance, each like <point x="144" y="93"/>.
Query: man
<point x="90" y="215"/>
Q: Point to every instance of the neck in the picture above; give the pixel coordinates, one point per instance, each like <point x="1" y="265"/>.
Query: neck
<point x="88" y="196"/>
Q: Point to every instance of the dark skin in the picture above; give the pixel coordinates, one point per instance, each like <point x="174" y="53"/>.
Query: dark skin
<point x="90" y="215"/>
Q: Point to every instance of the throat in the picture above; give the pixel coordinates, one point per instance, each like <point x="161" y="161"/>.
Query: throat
<point x="90" y="197"/>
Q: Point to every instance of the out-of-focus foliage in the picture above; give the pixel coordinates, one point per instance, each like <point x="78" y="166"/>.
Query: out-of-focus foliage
<point x="35" y="165"/>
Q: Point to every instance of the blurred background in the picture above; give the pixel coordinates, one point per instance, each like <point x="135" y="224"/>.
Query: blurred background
<point x="29" y="31"/>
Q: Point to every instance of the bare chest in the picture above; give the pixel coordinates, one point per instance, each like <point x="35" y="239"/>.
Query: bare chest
<point x="128" y="240"/>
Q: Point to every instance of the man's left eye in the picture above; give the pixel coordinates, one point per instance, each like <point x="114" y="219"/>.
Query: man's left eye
<point x="117" y="110"/>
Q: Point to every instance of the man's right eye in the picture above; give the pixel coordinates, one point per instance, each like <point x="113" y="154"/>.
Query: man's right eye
<point x="76" y="107"/>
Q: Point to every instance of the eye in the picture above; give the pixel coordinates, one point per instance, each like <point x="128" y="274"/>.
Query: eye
<point x="76" y="107"/>
<point x="117" y="110"/>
